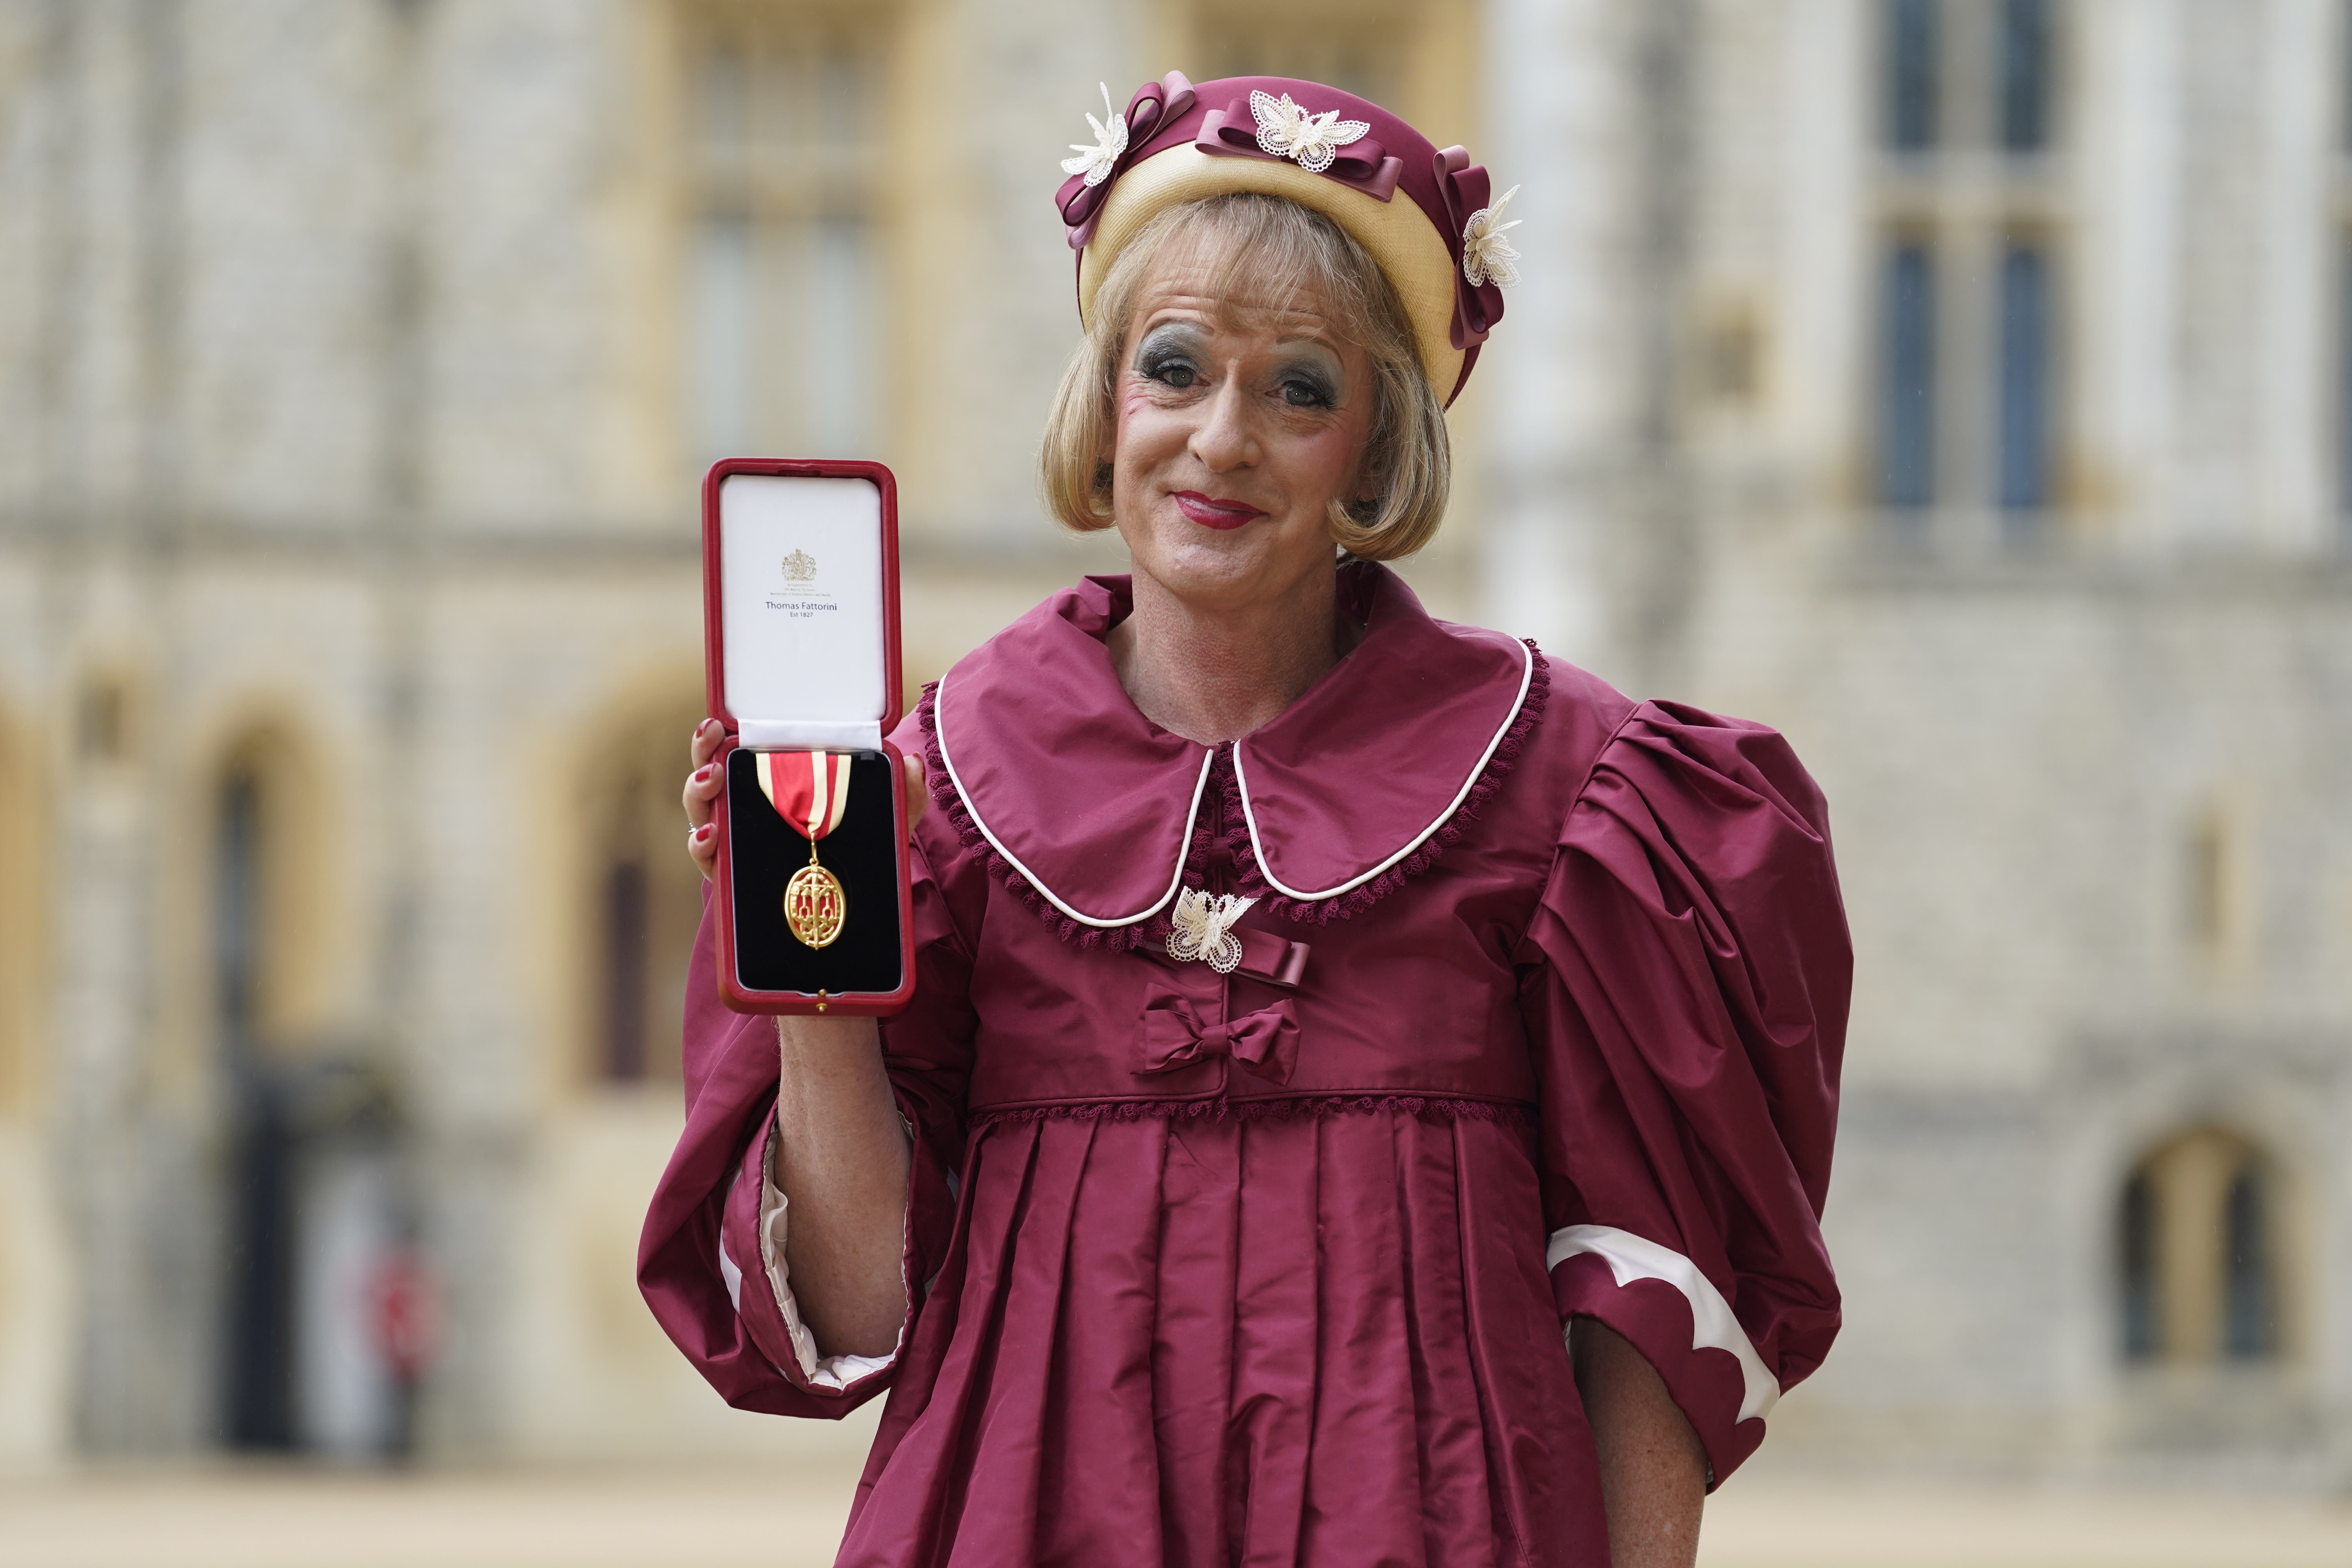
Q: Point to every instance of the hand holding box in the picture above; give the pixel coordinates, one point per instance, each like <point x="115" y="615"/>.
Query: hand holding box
<point x="801" y="608"/>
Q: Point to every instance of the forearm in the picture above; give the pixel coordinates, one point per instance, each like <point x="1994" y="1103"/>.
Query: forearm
<point x="1653" y="1470"/>
<point x="841" y="1162"/>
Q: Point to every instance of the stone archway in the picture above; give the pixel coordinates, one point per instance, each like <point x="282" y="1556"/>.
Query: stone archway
<point x="2200" y="1241"/>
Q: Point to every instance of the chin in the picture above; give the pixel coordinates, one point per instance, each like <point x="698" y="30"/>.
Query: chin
<point x="1210" y="566"/>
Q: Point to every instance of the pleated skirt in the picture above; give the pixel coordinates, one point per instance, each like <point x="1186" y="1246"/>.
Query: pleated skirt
<point x="1213" y="1341"/>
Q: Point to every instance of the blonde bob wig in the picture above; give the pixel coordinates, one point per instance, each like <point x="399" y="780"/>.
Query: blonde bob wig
<point x="1269" y="249"/>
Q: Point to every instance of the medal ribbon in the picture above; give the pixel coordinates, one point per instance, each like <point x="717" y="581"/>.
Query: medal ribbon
<point x="809" y="789"/>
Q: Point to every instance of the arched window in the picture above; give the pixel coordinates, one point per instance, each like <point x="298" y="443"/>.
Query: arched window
<point x="271" y="941"/>
<point x="2199" y="1253"/>
<point x="647" y="897"/>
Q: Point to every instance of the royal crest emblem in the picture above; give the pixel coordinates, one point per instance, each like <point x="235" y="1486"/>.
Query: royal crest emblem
<point x="800" y="567"/>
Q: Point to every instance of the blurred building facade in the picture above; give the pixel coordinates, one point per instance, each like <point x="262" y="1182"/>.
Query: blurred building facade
<point x="1960" y="384"/>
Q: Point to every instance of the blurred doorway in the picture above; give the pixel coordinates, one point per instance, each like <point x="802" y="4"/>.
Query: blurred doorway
<point x="316" y="1209"/>
<point x="258" y="1390"/>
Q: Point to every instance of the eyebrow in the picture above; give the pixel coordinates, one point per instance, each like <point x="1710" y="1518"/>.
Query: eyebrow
<point x="1321" y="340"/>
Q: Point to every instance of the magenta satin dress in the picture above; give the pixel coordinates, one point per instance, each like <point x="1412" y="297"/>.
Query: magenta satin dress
<point x="1537" y="1014"/>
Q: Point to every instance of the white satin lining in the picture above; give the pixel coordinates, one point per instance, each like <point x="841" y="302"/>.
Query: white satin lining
<point x="835" y="1371"/>
<point x="1183" y="841"/>
<point x="1265" y="868"/>
<point x="1713" y="1326"/>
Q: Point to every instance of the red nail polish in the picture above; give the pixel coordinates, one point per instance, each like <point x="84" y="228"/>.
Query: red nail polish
<point x="702" y="772"/>
<point x="702" y="833"/>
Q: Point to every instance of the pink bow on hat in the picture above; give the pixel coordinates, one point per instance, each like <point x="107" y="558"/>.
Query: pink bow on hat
<point x="1467" y="188"/>
<point x="1154" y="104"/>
<point x="1363" y="163"/>
<point x="1171" y="1036"/>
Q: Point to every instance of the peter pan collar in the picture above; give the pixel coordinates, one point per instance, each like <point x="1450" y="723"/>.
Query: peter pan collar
<point x="1095" y="813"/>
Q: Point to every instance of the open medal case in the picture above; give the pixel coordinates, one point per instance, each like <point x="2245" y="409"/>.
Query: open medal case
<point x="800" y="597"/>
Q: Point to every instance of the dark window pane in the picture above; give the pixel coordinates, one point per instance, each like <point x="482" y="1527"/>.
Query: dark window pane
<point x="2137" y="1271"/>
<point x="1911" y="62"/>
<point x="2024" y="378"/>
<point x="2343" y="388"/>
<point x="2025" y="74"/>
<point x="624" y="971"/>
<point x="1908" y="396"/>
<point x="237" y="916"/>
<point x="2248" y="1330"/>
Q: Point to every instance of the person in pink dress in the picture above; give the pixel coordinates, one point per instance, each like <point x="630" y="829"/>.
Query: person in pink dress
<point x="1368" y="1094"/>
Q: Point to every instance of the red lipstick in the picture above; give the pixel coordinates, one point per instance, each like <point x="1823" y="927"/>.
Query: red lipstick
<point x="1214" y="513"/>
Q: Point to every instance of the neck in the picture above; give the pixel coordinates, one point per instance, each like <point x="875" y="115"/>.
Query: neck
<point x="1214" y="674"/>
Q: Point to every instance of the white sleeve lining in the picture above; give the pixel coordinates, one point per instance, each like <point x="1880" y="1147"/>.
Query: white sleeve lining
<point x="829" y="1372"/>
<point x="1713" y="1325"/>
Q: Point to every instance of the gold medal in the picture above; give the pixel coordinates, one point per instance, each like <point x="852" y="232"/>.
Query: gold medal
<point x="814" y="904"/>
<point x="810" y="790"/>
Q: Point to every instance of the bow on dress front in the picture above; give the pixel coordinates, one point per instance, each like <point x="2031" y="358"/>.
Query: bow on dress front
<point x="1171" y="1036"/>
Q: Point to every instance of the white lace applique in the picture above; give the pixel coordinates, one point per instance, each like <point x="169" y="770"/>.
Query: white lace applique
<point x="1310" y="141"/>
<point x="1096" y="162"/>
<point x="1486" y="255"/>
<point x="1204" y="929"/>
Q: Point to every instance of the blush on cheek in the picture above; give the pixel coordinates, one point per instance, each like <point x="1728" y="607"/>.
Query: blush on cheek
<point x="1132" y="399"/>
<point x="1332" y="455"/>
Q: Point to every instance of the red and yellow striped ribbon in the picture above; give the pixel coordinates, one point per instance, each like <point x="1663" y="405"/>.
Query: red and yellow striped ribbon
<point x="809" y="789"/>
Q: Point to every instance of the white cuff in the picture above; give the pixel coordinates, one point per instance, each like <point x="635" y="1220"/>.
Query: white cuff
<point x="1713" y="1325"/>
<point x="833" y="1372"/>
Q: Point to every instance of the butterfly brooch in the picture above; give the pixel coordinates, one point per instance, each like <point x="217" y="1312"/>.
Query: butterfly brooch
<point x="1203" y="930"/>
<point x="1486" y="255"/>
<point x="1310" y="141"/>
<point x="1096" y="162"/>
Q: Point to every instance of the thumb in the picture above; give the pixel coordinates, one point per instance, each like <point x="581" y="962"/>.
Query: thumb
<point x="918" y="799"/>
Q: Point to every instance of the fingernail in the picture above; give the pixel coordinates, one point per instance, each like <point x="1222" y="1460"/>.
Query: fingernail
<point x="702" y="834"/>
<point x="702" y="772"/>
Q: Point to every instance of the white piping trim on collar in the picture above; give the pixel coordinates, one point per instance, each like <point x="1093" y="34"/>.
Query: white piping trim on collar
<point x="1527" y="678"/>
<point x="1712" y="1324"/>
<point x="939" y="728"/>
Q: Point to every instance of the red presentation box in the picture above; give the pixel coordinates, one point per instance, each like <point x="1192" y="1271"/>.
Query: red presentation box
<point x="800" y="609"/>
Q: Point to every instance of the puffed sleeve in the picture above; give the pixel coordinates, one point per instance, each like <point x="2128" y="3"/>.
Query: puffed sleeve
<point x="711" y="1260"/>
<point x="1685" y="981"/>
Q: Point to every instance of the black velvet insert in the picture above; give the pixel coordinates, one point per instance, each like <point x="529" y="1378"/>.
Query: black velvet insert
<point x="863" y="852"/>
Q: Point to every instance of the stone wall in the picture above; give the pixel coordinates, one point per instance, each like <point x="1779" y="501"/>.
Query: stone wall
<point x="341" y="404"/>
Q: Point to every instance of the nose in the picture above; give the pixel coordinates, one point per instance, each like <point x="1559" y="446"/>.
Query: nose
<point x="1224" y="440"/>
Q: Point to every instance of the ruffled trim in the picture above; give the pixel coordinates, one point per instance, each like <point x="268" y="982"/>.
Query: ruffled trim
<point x="1353" y="903"/>
<point x="947" y="798"/>
<point x="1234" y="823"/>
<point x="1447" y="1107"/>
